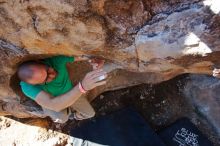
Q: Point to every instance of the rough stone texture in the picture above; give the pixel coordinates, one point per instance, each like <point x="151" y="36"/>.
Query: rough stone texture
<point x="203" y="92"/>
<point x="143" y="41"/>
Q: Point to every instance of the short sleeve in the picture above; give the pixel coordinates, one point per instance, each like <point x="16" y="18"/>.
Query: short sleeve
<point x="63" y="59"/>
<point x="30" y="90"/>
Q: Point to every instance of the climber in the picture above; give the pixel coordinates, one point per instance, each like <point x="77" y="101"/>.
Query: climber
<point x="47" y="82"/>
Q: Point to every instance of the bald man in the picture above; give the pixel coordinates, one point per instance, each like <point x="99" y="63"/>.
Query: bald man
<point x="47" y="82"/>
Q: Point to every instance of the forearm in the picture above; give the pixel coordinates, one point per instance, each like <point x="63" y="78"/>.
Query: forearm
<point x="65" y="100"/>
<point x="58" y="103"/>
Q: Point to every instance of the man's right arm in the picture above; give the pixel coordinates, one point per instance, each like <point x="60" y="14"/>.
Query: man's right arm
<point x="60" y="102"/>
<point x="63" y="101"/>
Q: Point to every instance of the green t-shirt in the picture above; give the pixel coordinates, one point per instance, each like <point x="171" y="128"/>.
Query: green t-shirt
<point x="60" y="85"/>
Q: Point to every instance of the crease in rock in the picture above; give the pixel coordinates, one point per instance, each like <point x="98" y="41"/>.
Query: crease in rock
<point x="11" y="48"/>
<point x="35" y="24"/>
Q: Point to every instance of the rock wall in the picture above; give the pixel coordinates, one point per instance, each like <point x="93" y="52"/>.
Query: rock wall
<point x="142" y="41"/>
<point x="203" y="92"/>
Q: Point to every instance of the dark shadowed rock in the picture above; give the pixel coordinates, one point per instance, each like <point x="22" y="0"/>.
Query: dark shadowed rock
<point x="203" y="91"/>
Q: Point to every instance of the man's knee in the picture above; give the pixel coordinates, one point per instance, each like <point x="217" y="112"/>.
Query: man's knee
<point x="83" y="116"/>
<point x="92" y="114"/>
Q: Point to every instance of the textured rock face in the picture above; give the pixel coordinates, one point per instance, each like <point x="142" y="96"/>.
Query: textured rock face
<point x="143" y="41"/>
<point x="203" y="92"/>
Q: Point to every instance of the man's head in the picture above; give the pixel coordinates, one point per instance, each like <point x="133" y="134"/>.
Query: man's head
<point x="33" y="72"/>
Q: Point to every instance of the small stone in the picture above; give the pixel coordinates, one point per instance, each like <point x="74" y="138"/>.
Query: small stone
<point x="101" y="96"/>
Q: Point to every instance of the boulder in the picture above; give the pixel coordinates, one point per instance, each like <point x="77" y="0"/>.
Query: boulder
<point x="142" y="41"/>
<point x="203" y="92"/>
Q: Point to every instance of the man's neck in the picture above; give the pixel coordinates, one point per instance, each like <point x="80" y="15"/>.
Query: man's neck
<point x="52" y="73"/>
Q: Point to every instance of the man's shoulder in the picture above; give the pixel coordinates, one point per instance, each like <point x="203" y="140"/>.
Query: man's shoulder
<point x="30" y="90"/>
<point x="24" y="84"/>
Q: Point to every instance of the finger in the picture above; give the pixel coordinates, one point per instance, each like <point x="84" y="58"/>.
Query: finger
<point x="102" y="73"/>
<point x="96" y="71"/>
<point x="100" y="83"/>
<point x="93" y="72"/>
<point x="98" y="79"/>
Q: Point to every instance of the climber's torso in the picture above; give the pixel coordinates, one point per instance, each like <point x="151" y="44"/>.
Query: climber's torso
<point x="59" y="85"/>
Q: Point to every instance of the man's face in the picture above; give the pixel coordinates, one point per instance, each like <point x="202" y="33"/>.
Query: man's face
<point x="37" y="74"/>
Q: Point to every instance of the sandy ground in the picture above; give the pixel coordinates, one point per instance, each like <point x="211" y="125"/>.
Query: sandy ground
<point x="14" y="133"/>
